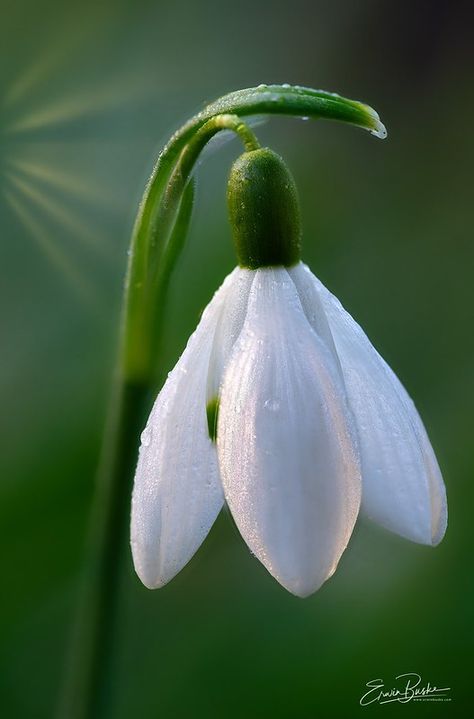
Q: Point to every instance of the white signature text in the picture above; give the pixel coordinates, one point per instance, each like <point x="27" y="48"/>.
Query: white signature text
<point x="408" y="687"/>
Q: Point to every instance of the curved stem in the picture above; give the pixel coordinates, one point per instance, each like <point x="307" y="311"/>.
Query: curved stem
<point x="157" y="211"/>
<point x="171" y="205"/>
<point x="148" y="259"/>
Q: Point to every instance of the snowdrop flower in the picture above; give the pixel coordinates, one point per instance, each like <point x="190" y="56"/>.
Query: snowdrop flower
<point x="281" y="408"/>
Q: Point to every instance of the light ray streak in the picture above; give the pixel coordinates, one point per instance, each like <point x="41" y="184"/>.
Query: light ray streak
<point x="52" y="251"/>
<point x="79" y="187"/>
<point x="59" y="213"/>
<point x="81" y="104"/>
<point x="64" y="40"/>
<point x="32" y="76"/>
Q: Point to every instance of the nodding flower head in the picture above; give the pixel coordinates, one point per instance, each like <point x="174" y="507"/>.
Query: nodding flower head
<point x="281" y="408"/>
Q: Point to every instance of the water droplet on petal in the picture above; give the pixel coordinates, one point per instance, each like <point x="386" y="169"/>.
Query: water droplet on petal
<point x="146" y="436"/>
<point x="272" y="404"/>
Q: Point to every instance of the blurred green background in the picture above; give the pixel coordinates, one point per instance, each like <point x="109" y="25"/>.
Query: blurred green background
<point x="89" y="92"/>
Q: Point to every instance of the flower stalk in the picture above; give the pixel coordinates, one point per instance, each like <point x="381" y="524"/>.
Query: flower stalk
<point x="158" y="237"/>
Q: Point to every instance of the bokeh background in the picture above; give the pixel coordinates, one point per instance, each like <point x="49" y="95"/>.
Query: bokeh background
<point x="89" y="92"/>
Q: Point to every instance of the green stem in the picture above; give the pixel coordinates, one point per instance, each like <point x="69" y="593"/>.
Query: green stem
<point x="152" y="261"/>
<point x="88" y="686"/>
<point x="173" y="203"/>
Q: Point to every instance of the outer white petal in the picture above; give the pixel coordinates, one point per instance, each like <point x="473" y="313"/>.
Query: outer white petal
<point x="402" y="486"/>
<point x="288" y="463"/>
<point x="177" y="493"/>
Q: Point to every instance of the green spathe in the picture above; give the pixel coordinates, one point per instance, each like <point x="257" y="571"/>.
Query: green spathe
<point x="264" y="211"/>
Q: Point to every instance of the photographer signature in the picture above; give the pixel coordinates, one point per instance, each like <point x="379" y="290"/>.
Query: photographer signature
<point x="409" y="687"/>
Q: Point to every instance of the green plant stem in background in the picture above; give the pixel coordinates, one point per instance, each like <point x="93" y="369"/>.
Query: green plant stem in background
<point x="159" y="234"/>
<point x="88" y="682"/>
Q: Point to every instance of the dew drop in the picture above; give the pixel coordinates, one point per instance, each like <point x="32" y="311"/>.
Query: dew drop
<point x="272" y="404"/>
<point x="146" y="436"/>
<point x="262" y="86"/>
<point x="286" y="85"/>
<point x="305" y="118"/>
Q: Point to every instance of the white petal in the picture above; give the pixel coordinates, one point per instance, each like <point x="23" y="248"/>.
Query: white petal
<point x="229" y="326"/>
<point x="312" y="305"/>
<point x="177" y="493"/>
<point x="286" y="454"/>
<point x="402" y="487"/>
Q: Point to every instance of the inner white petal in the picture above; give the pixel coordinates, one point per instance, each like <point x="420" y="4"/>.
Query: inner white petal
<point x="311" y="302"/>
<point x="229" y="326"/>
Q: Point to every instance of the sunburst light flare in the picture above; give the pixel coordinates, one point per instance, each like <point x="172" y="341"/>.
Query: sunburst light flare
<point x="53" y="145"/>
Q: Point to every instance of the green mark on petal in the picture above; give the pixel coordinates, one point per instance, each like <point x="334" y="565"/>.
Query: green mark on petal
<point x="212" y="412"/>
